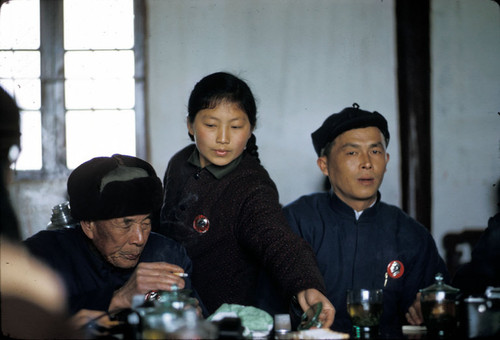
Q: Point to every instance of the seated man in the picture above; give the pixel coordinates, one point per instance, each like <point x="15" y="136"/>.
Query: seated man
<point x="360" y="241"/>
<point x="112" y="255"/>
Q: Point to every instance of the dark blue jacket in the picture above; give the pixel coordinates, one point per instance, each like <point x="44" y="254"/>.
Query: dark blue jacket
<point x="90" y="280"/>
<point x="355" y="253"/>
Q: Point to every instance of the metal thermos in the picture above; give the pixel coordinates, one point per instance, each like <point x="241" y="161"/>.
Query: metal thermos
<point x="480" y="315"/>
<point x="61" y="217"/>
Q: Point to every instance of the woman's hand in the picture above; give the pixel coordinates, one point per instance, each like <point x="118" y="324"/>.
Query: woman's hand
<point x="309" y="297"/>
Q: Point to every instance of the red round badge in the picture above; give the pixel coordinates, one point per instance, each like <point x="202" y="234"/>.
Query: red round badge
<point x="395" y="269"/>
<point x="201" y="224"/>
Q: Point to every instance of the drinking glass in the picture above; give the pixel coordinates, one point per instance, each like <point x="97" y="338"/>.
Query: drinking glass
<point x="365" y="308"/>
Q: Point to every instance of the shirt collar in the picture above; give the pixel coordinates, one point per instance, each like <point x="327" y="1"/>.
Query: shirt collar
<point x="217" y="171"/>
<point x="358" y="213"/>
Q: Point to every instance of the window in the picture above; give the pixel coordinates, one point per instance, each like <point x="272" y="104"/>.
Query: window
<point x="20" y="73"/>
<point x="75" y="68"/>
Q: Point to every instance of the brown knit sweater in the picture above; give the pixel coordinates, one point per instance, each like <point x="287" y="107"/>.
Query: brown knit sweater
<point x="247" y="232"/>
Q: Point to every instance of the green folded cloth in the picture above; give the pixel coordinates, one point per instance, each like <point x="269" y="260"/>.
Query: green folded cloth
<point x="255" y="321"/>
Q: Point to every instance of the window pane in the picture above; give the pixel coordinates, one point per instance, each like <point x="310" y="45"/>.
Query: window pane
<point x="101" y="79"/>
<point x="21" y="64"/>
<point x="27" y="93"/>
<point x="20" y="72"/>
<point x="98" y="24"/>
<point x="6" y="64"/>
<point x="90" y="64"/>
<point x="100" y="94"/>
<point x="30" y="157"/>
<point x="20" y="25"/>
<point x="91" y="134"/>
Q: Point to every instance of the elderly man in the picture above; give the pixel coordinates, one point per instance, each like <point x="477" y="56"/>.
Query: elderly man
<point x="112" y="255"/>
<point x="360" y="241"/>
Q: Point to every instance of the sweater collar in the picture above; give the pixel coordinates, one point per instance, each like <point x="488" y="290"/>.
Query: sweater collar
<point x="217" y="171"/>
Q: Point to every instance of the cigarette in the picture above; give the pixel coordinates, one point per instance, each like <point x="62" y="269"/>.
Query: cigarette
<point x="181" y="274"/>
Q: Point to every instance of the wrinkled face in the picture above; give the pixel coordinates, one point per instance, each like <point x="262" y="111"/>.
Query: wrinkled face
<point x="119" y="240"/>
<point x="356" y="166"/>
<point x="220" y="134"/>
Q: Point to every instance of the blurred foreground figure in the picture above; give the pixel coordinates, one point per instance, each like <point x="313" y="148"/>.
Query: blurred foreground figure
<point x="32" y="295"/>
<point x="33" y="299"/>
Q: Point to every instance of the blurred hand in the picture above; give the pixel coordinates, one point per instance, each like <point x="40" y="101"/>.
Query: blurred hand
<point x="414" y="314"/>
<point x="147" y="276"/>
<point x="199" y="311"/>
<point x="84" y="316"/>
<point x="307" y="298"/>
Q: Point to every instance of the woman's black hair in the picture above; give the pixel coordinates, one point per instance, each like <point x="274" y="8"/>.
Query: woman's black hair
<point x="224" y="87"/>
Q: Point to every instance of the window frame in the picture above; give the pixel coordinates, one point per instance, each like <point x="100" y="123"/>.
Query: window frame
<point x="52" y="80"/>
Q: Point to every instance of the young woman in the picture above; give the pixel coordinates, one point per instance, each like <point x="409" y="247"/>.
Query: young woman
<point x="221" y="204"/>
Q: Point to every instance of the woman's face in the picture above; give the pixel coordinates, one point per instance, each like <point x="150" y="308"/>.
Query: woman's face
<point x="220" y="134"/>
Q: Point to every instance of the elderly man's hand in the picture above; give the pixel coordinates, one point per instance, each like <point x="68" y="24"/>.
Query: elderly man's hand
<point x="414" y="314"/>
<point x="147" y="276"/>
<point x="309" y="297"/>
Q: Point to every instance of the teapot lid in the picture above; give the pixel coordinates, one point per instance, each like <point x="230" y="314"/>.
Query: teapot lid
<point x="440" y="286"/>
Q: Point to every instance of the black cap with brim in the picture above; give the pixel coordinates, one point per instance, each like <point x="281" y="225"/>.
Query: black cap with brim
<point x="347" y="119"/>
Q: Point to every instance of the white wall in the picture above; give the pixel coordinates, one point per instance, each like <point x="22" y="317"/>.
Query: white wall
<point x="465" y="113"/>
<point x="303" y="60"/>
<point x="307" y="59"/>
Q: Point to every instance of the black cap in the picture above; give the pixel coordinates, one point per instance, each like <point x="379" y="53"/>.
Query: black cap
<point x="347" y="119"/>
<point x="110" y="187"/>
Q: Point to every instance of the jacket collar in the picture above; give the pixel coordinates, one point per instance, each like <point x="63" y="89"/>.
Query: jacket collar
<point x="341" y="207"/>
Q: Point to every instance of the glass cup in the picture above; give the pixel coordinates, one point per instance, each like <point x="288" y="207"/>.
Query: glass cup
<point x="365" y="308"/>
